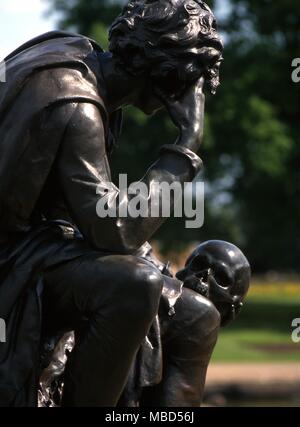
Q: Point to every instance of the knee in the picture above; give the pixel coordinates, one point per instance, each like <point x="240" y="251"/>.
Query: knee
<point x="134" y="291"/>
<point x="206" y="317"/>
<point x="206" y="329"/>
<point x="200" y="318"/>
<point x="144" y="289"/>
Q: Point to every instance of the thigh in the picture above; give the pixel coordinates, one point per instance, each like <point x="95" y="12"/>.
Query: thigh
<point x="74" y="290"/>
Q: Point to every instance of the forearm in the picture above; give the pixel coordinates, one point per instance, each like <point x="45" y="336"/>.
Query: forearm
<point x="84" y="173"/>
<point x="175" y="167"/>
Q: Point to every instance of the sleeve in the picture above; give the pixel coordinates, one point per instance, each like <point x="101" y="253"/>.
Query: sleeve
<point x="98" y="207"/>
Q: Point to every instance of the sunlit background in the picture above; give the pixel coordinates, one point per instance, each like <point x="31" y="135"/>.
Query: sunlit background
<point x="252" y="173"/>
<point x="21" y="21"/>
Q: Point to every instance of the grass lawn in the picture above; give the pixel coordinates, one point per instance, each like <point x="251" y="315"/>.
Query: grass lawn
<point x="263" y="330"/>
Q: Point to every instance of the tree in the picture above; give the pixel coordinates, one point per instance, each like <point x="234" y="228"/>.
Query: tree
<point x="256" y="114"/>
<point x="251" y="150"/>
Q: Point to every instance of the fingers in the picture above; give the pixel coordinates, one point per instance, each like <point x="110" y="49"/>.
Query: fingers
<point x="197" y="87"/>
<point x="200" y="83"/>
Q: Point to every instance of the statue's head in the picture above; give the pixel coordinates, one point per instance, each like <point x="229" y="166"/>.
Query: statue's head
<point x="219" y="271"/>
<point x="171" y="42"/>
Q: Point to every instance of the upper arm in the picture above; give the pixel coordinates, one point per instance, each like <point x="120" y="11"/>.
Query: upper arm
<point x="83" y="165"/>
<point x="83" y="147"/>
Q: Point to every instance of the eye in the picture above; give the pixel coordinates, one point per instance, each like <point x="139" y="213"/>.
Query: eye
<point x="199" y="263"/>
<point x="222" y="276"/>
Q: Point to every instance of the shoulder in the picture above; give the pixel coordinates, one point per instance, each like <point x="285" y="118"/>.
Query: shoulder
<point x="75" y="122"/>
<point x="83" y="128"/>
<point x="86" y="119"/>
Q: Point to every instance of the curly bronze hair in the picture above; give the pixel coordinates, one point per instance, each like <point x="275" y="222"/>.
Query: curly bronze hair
<point x="173" y="42"/>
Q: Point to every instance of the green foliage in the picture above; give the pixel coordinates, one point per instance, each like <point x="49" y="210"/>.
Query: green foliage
<point x="82" y="15"/>
<point x="252" y="144"/>
<point x="259" y="336"/>
<point x="99" y="33"/>
<point x="269" y="145"/>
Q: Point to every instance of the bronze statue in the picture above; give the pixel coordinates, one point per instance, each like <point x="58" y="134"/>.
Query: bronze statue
<point x="62" y="268"/>
<point x="214" y="285"/>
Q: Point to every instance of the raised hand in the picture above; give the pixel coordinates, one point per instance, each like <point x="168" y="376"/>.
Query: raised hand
<point x="187" y="113"/>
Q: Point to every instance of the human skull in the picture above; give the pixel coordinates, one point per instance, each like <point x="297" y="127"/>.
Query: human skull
<point x="219" y="271"/>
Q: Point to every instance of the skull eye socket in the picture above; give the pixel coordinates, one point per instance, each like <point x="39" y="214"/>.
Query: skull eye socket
<point x="199" y="263"/>
<point x="223" y="277"/>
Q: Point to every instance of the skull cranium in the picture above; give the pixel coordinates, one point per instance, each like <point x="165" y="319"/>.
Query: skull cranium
<point x="221" y="272"/>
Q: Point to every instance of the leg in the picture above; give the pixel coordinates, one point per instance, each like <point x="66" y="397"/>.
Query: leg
<point x="188" y="344"/>
<point x="119" y="297"/>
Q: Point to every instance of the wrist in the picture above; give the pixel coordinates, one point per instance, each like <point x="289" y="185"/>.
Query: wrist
<point x="190" y="138"/>
<point x="195" y="163"/>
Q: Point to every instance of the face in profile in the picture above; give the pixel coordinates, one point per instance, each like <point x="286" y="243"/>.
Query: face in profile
<point x="171" y="43"/>
<point x="168" y="87"/>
